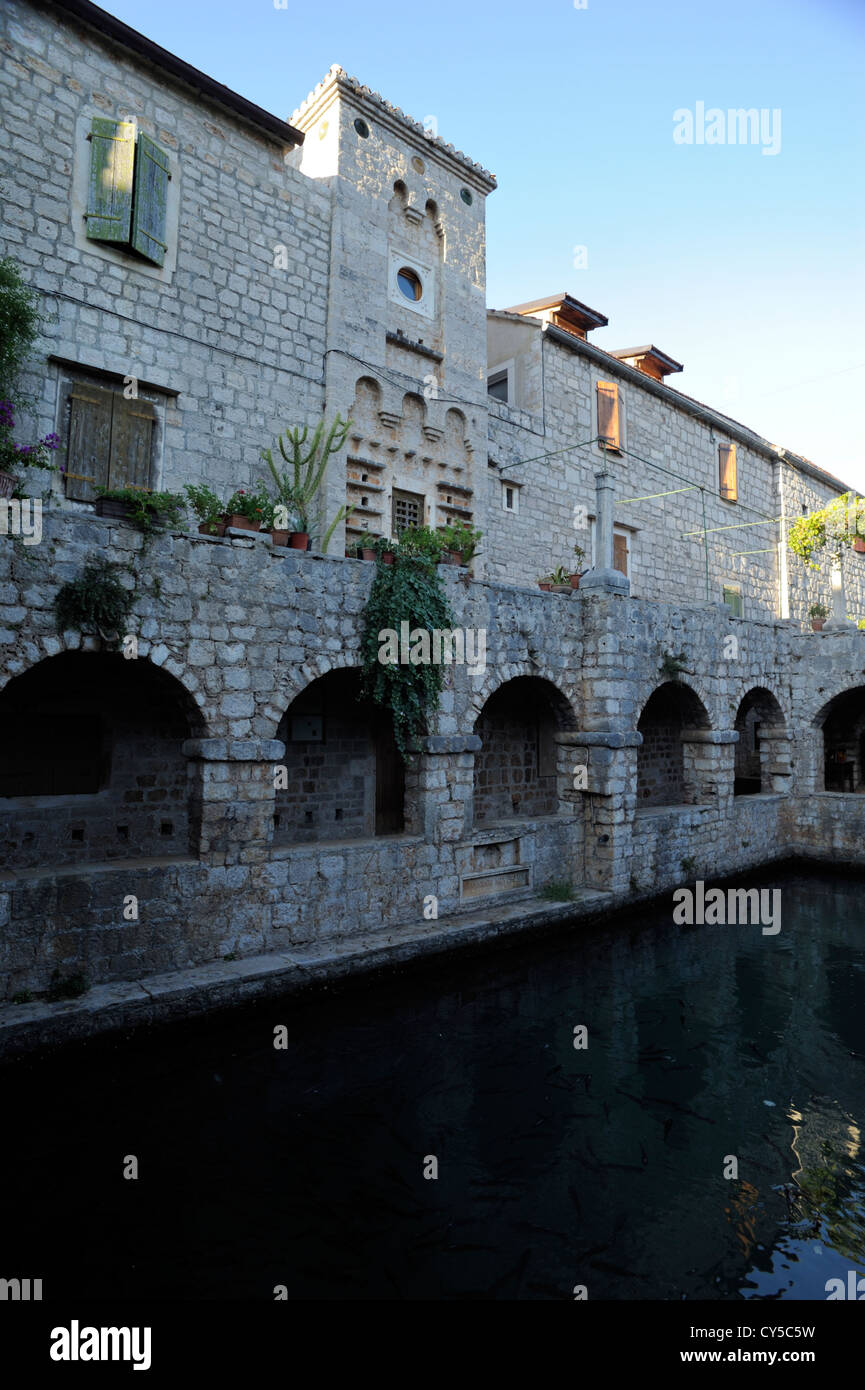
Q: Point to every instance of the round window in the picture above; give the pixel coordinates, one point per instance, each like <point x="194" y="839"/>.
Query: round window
<point x="362" y="128"/>
<point x="409" y="283"/>
<point x="418" y="165"/>
<point x="466" y="195"/>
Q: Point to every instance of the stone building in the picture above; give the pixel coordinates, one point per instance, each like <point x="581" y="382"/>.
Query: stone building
<point x="673" y="717"/>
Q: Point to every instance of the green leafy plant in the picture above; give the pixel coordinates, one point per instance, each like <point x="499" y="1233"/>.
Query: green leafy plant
<point x="254" y="505"/>
<point x="95" y="603"/>
<point x="833" y="528"/>
<point x="559" y="576"/>
<point x="673" y="664"/>
<point x="559" y="891"/>
<point x="408" y="591"/>
<point x="688" y="865"/>
<point x="382" y="545"/>
<point x="460" y="536"/>
<point x="421" y="542"/>
<point x="206" y="505"/>
<point x="21" y="318"/>
<point x="150" y="511"/>
<point x="579" y="552"/>
<point x="818" y="610"/>
<point x="298" y="488"/>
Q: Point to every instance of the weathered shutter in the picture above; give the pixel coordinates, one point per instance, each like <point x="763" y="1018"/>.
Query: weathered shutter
<point x="89" y="442"/>
<point x="608" y="413"/>
<point x="620" y="553"/>
<point x="131" y="440"/>
<point x="728" y="482"/>
<point x="151" y="200"/>
<point x="112" y="162"/>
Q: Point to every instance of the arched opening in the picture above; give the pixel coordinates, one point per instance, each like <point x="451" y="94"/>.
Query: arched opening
<point x="843" y="724"/>
<point x="759" y="720"/>
<point x="666" y="775"/>
<point x="345" y="779"/>
<point x="516" y="772"/>
<point x="91" y="762"/>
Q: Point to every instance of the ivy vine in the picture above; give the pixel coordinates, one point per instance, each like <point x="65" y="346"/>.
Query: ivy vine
<point x="408" y="591"/>
<point x="95" y="602"/>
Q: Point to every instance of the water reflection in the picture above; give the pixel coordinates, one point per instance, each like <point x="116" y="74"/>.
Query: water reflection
<point x="556" y="1166"/>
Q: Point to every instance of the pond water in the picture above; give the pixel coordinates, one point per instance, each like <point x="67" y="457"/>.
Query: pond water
<point x="557" y="1166"/>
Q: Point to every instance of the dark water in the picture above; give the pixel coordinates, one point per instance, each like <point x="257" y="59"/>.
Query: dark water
<point x="556" y="1167"/>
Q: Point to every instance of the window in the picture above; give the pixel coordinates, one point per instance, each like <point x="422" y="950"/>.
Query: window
<point x="621" y="552"/>
<point x="128" y="188"/>
<point x="498" y="386"/>
<point x="407" y="511"/>
<point x="608" y="413"/>
<point x="731" y="594"/>
<point x="510" y="497"/>
<point x="110" y="441"/>
<point x="409" y="283"/>
<point x="727" y="480"/>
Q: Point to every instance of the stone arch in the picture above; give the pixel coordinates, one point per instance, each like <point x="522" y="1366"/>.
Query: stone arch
<point x="519" y="771"/>
<point x="344" y="778"/>
<point x="455" y="440"/>
<point x="841" y="723"/>
<point x="674" y="725"/>
<point x="97" y="770"/>
<point x="414" y="412"/>
<point x="496" y="675"/>
<point x="291" y="681"/>
<point x="762" y="731"/>
<point x="367" y="404"/>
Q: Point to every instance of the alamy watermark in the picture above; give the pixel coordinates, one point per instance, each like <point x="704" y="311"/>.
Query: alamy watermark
<point x="736" y="906"/>
<point x="21" y="517"/>
<point x="736" y="126"/>
<point x="420" y="646"/>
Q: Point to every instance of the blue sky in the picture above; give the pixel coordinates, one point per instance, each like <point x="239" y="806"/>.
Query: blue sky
<point x="744" y="266"/>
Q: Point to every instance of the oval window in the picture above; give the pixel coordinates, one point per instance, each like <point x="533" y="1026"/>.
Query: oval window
<point x="362" y="128"/>
<point x="409" y="283"/>
<point x="465" y="194"/>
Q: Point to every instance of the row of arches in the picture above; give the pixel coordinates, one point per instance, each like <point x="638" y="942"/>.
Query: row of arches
<point x="92" y="765"/>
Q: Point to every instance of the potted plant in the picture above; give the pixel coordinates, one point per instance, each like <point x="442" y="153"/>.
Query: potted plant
<point x="859" y="544"/>
<point x="421" y="543"/>
<point x="384" y="549"/>
<point x="297" y="491"/>
<point x="575" y="578"/>
<point x="245" y="511"/>
<point x="208" y="509"/>
<point x="560" y="580"/>
<point x="15" y="457"/>
<point x="145" y="509"/>
<point x="546" y="583"/>
<point x="460" y="541"/>
<point x="818" y="613"/>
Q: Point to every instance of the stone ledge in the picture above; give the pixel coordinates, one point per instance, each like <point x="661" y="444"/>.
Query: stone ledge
<point x="220" y="984"/>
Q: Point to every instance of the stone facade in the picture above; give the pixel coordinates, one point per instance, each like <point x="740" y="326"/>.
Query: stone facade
<point x="220" y="790"/>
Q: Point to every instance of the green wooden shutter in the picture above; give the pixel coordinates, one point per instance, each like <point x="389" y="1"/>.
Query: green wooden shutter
<point x="89" y="442"/>
<point x="112" y="160"/>
<point x="131" y="439"/>
<point x="151" y="200"/>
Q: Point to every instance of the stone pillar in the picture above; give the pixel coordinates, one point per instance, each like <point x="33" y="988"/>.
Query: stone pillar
<point x="606" y="762"/>
<point x="710" y="765"/>
<point x="440" y="787"/>
<point x="776" y="770"/>
<point x="235" y="797"/>
<point x="839" y="620"/>
<point x="602" y="577"/>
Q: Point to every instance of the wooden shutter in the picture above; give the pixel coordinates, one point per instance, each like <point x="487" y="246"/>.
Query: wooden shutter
<point x="620" y="553"/>
<point x="89" y="442"/>
<point x="608" y="413"/>
<point x="151" y="199"/>
<point x="728" y="482"/>
<point x="131" y="439"/>
<point x="112" y="160"/>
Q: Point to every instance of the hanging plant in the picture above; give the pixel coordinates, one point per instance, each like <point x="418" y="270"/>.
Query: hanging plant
<point x="95" y="603"/>
<point x="409" y="591"/>
<point x="838" y="526"/>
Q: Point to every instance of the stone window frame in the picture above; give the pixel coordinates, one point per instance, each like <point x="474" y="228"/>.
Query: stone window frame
<point x="514" y="489"/>
<point x="426" y="305"/>
<point x="507" y="371"/>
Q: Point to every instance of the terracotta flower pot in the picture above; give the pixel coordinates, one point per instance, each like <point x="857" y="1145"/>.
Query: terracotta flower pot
<point x="817" y="624"/>
<point x="298" y="540"/>
<point x="367" y="552"/>
<point x="859" y="545"/>
<point x="561" y="588"/>
<point x="279" y="537"/>
<point x="575" y="581"/>
<point x="243" y="523"/>
<point x="545" y="585"/>
<point x="216" y="528"/>
<point x="7" y="483"/>
<point x="388" y="557"/>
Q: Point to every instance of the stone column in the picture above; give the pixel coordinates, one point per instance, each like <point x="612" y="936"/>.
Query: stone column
<point x="602" y="577"/>
<point x="604" y="768"/>
<point x="710" y="765"/>
<point x="236" y="797"/>
<point x="440" y="787"/>
<point x="776" y="770"/>
<point x="839" y="620"/>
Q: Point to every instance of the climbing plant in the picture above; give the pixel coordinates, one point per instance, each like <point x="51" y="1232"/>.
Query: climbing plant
<point x="408" y="591"/>
<point x="834" y="527"/>
<point x="21" y="317"/>
<point x="95" y="602"/>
